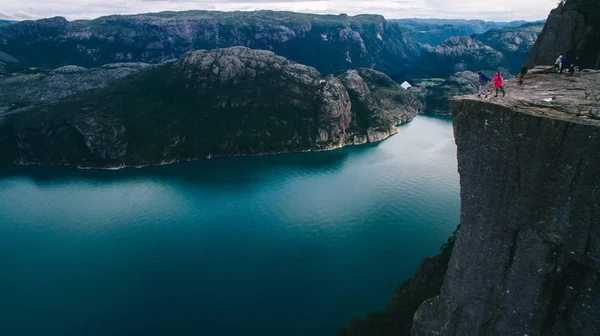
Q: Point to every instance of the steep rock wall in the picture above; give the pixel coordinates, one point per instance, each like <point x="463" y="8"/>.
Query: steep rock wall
<point x="571" y="30"/>
<point x="527" y="260"/>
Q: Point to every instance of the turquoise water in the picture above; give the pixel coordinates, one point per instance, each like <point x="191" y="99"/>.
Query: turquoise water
<point x="292" y="244"/>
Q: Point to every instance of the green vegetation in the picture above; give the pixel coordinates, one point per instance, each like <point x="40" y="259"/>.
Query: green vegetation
<point x="396" y="319"/>
<point x="428" y="81"/>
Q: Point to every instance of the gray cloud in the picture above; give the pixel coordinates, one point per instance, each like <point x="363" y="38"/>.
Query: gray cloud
<point x="466" y="9"/>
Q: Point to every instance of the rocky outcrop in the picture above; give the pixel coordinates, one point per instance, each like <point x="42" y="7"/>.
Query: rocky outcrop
<point x="332" y="44"/>
<point x="573" y="29"/>
<point x="19" y="93"/>
<point x="461" y="83"/>
<point x="223" y="102"/>
<point x="527" y="259"/>
<point x="378" y="104"/>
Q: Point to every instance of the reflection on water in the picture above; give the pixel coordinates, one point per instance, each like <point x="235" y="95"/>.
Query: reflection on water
<point x="293" y="244"/>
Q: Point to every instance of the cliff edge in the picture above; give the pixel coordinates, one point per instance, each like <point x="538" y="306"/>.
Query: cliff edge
<point x="527" y="259"/>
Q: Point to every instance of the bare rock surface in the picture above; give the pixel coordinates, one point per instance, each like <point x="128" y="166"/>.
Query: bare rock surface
<point x="21" y="92"/>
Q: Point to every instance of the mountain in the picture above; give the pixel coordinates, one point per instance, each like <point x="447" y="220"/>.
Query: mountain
<point x="572" y="29"/>
<point x="429" y="33"/>
<point x="504" y="49"/>
<point x="6" y="22"/>
<point x="222" y="102"/>
<point x="514" y="43"/>
<point x="332" y="44"/>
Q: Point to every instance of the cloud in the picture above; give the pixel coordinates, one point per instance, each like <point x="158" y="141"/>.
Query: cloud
<point x="506" y="10"/>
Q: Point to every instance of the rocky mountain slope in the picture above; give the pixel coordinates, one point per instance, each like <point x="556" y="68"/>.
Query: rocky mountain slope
<point x="504" y="49"/>
<point x="223" y="102"/>
<point x="527" y="259"/>
<point x="429" y="33"/>
<point x="332" y="44"/>
<point x="18" y="93"/>
<point x="573" y="29"/>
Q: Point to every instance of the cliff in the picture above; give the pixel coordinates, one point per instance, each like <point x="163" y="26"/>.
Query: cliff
<point x="222" y="102"/>
<point x="572" y="29"/>
<point x="527" y="259"/>
<point x="330" y="43"/>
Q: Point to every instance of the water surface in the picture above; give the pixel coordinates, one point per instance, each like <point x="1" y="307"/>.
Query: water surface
<point x="293" y="244"/>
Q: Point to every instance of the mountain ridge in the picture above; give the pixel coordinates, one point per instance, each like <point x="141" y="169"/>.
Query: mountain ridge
<point x="222" y="102"/>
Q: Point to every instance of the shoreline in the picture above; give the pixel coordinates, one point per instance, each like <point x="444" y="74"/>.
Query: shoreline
<point x="166" y="163"/>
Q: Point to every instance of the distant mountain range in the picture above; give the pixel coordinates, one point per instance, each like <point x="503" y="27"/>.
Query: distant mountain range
<point x="429" y="33"/>
<point x="330" y="43"/>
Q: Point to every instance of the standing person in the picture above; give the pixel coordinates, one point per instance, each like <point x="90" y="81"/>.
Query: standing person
<point x="558" y="63"/>
<point x="522" y="73"/>
<point x="483" y="80"/>
<point x="499" y="84"/>
<point x="576" y="64"/>
<point x="563" y="64"/>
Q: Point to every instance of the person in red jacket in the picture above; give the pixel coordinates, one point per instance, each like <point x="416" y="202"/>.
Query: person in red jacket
<point x="499" y="84"/>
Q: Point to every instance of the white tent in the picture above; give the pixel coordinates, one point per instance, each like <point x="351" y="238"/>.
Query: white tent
<point x="406" y="85"/>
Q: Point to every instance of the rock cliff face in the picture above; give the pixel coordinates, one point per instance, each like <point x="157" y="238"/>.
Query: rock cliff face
<point x="332" y="44"/>
<point x="527" y="260"/>
<point x="573" y="29"/>
<point x="222" y="102"/>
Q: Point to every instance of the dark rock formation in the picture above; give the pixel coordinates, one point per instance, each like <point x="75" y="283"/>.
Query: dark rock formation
<point x="330" y="43"/>
<point x="527" y="260"/>
<point x="222" y="102"/>
<point x="573" y="29"/>
<point x="461" y="83"/>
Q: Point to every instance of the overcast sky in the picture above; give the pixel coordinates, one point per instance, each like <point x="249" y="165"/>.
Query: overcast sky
<point x="504" y="10"/>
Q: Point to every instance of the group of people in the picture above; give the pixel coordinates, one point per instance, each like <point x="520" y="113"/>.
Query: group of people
<point x="498" y="84"/>
<point x="561" y="65"/>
